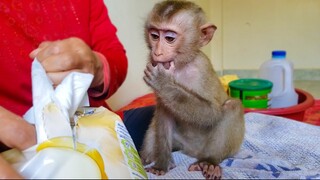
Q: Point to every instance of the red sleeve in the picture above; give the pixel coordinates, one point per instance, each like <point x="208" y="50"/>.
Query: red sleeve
<point x="106" y="80"/>
<point x="105" y="41"/>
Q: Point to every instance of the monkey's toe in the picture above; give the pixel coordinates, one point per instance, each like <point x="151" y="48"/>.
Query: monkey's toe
<point x="194" y="167"/>
<point x="155" y="171"/>
<point x="211" y="172"/>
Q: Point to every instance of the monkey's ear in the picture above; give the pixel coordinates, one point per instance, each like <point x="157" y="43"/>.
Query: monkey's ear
<point x="207" y="31"/>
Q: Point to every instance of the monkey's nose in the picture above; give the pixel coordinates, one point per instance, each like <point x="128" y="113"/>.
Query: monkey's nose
<point x="158" y="53"/>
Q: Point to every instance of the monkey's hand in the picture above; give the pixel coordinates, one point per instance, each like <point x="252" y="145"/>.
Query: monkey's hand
<point x="158" y="76"/>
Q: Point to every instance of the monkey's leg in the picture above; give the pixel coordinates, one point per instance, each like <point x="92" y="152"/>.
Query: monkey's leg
<point x="227" y="138"/>
<point x="147" y="150"/>
<point x="209" y="170"/>
<point x="234" y="123"/>
<point x="164" y="125"/>
<point x="229" y="133"/>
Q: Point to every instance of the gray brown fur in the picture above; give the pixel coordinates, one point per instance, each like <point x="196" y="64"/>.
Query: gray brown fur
<point x="193" y="113"/>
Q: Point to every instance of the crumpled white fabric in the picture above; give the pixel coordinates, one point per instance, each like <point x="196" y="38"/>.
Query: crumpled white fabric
<point x="273" y="148"/>
<point x="53" y="108"/>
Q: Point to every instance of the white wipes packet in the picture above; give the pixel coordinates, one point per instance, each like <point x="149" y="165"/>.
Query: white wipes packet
<point x="53" y="108"/>
<point x="98" y="147"/>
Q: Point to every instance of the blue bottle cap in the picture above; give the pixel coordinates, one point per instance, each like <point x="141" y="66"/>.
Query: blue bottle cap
<point x="279" y="54"/>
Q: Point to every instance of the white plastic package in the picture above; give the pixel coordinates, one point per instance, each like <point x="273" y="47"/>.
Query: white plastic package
<point x="98" y="146"/>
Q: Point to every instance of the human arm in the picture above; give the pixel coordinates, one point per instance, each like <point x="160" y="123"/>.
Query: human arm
<point x="103" y="49"/>
<point x="105" y="41"/>
<point x="15" y="131"/>
<point x="106" y="47"/>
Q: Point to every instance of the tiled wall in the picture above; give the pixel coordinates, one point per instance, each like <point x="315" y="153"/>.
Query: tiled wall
<point x="299" y="74"/>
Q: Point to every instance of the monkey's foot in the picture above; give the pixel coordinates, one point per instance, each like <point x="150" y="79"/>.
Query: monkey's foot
<point x="158" y="171"/>
<point x="155" y="171"/>
<point x="145" y="161"/>
<point x="209" y="171"/>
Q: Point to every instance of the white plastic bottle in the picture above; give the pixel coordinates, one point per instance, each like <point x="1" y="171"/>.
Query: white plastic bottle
<point x="279" y="71"/>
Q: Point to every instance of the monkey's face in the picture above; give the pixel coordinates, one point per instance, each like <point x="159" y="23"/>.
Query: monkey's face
<point x="164" y="44"/>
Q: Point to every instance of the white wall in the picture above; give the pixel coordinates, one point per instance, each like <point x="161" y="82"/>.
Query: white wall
<point x="248" y="30"/>
<point x="253" y="28"/>
<point x="129" y="16"/>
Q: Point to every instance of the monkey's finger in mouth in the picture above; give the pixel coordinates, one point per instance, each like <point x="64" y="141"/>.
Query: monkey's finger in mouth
<point x="148" y="73"/>
<point x="166" y="64"/>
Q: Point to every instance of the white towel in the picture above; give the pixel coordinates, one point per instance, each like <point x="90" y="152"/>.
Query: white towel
<point x="273" y="148"/>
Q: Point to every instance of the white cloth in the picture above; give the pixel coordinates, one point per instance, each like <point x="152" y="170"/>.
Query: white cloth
<point x="273" y="148"/>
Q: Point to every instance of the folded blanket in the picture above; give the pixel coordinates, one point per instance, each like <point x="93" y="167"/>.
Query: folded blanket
<point x="274" y="147"/>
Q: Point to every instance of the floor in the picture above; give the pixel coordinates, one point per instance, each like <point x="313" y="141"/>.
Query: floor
<point x="312" y="87"/>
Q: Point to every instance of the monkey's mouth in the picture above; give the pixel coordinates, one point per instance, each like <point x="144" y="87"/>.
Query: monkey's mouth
<point x="166" y="64"/>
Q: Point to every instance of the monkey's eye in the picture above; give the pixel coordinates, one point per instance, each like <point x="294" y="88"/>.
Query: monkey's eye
<point x="154" y="35"/>
<point x="170" y="37"/>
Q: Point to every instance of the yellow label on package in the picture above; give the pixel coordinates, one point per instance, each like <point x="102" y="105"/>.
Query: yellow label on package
<point x="100" y="149"/>
<point x="104" y="130"/>
<point x="101" y="136"/>
<point x="130" y="153"/>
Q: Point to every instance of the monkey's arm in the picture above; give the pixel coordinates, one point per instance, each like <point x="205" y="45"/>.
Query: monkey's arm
<point x="181" y="101"/>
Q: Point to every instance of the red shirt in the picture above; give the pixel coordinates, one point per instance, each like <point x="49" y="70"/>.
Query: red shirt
<point x="25" y="24"/>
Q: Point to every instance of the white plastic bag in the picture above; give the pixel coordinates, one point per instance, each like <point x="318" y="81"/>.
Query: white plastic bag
<point x="103" y="146"/>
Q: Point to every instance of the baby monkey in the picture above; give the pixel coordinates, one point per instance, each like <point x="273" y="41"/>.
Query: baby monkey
<point x="193" y="112"/>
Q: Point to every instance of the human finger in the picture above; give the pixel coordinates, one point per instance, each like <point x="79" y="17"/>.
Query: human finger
<point x="60" y="63"/>
<point x="48" y="49"/>
<point x="35" y="52"/>
<point x="57" y="77"/>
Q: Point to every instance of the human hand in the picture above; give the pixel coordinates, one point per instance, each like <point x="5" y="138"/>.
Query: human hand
<point x="15" y="131"/>
<point x="61" y="57"/>
<point x="7" y="171"/>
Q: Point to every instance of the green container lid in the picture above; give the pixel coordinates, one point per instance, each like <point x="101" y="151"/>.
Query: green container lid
<point x="252" y="92"/>
<point x="250" y="84"/>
